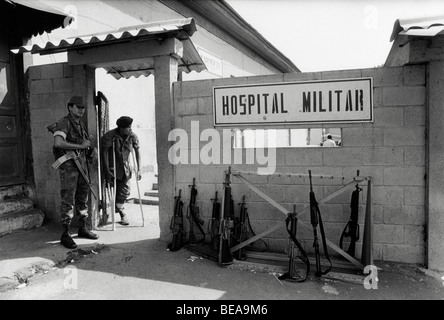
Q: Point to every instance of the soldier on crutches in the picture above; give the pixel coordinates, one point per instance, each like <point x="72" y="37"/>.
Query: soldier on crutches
<point x="117" y="145"/>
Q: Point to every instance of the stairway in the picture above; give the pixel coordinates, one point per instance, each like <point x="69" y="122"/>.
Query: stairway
<point x="19" y="214"/>
<point x="151" y="197"/>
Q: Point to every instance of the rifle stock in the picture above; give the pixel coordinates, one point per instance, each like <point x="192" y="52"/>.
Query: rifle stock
<point x="225" y="257"/>
<point x="215" y="223"/>
<point x="194" y="215"/>
<point x="177" y="225"/>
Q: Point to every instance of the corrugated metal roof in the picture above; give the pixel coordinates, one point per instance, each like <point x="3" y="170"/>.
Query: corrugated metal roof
<point x="32" y="17"/>
<point x="181" y="29"/>
<point x="421" y="27"/>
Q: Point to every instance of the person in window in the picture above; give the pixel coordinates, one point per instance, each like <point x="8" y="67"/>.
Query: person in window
<point x="329" y="142"/>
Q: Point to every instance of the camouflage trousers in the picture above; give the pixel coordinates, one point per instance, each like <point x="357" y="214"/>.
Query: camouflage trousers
<point x="123" y="191"/>
<point x="74" y="194"/>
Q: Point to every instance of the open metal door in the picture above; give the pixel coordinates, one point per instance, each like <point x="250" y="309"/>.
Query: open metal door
<point x="102" y="112"/>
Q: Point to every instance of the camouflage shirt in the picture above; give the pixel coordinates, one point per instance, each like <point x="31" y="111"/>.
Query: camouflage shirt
<point x="72" y="132"/>
<point x="123" y="147"/>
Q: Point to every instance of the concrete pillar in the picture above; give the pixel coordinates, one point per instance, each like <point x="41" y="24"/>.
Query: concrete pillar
<point x="166" y="71"/>
<point x="85" y="86"/>
<point x="435" y="174"/>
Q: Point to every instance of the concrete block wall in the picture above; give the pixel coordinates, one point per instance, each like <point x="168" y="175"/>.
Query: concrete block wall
<point x="391" y="150"/>
<point x="50" y="88"/>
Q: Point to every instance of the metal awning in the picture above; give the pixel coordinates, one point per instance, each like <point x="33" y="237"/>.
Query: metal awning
<point x="420" y="27"/>
<point x="34" y="17"/>
<point x="181" y="29"/>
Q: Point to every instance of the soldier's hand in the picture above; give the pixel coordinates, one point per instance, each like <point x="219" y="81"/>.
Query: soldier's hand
<point x="139" y="176"/>
<point x="86" y="144"/>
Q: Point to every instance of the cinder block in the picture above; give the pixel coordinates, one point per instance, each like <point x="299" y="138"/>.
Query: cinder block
<point x="394" y="215"/>
<point x="304" y="76"/>
<point x="384" y="77"/>
<point x="404" y="96"/>
<point x="63" y="85"/>
<point x="335" y="213"/>
<point x="404" y="176"/>
<point x="294" y="157"/>
<point x="300" y="194"/>
<point x="275" y="78"/>
<point x="377" y="97"/>
<point x="35" y="72"/>
<point x="359" y="137"/>
<point x="342" y="156"/>
<point x="377" y="215"/>
<point x="205" y="106"/>
<point x="389" y="117"/>
<point x="404" y="136"/>
<point x="341" y="74"/>
<point x="222" y="82"/>
<point x="277" y="193"/>
<point x="414" y="196"/>
<point x="386" y="195"/>
<point x="383" y="156"/>
<point x="415" y="235"/>
<point x="212" y="174"/>
<point x="388" y="234"/>
<point x="196" y="89"/>
<point x="39" y="101"/>
<point x="414" y="156"/>
<point x="52" y="71"/>
<point x="41" y="86"/>
<point x="414" y="75"/>
<point x="186" y="173"/>
<point x="186" y="106"/>
<point x="415" y="116"/>
<point x="404" y="253"/>
<point x="67" y="71"/>
<point x="414" y="215"/>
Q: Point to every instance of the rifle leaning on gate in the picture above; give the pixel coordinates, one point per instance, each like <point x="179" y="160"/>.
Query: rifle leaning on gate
<point x="315" y="215"/>
<point x="352" y="228"/>
<point x="215" y="223"/>
<point x="176" y="225"/>
<point x="292" y="274"/>
<point x="241" y="229"/>
<point x="226" y="224"/>
<point x="193" y="216"/>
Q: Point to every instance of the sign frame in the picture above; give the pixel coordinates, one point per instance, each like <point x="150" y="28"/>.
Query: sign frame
<point x="369" y="119"/>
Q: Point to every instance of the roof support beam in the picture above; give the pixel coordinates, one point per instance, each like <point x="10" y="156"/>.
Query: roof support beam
<point x="125" y="51"/>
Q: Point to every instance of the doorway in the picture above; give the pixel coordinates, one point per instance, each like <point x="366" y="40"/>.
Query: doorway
<point x="135" y="98"/>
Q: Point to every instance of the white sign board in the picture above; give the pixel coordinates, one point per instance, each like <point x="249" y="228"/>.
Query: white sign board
<point x="329" y="101"/>
<point x="213" y="63"/>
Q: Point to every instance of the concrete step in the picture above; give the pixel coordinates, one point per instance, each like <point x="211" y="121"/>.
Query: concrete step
<point x="150" y="201"/>
<point x="15" y="205"/>
<point x="23" y="220"/>
<point x="152" y="193"/>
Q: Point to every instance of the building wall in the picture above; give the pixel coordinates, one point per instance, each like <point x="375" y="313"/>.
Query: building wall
<point x="50" y="89"/>
<point x="391" y="150"/>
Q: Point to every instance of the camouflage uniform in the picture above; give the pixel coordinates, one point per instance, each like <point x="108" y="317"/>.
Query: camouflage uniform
<point x="123" y="148"/>
<point x="74" y="189"/>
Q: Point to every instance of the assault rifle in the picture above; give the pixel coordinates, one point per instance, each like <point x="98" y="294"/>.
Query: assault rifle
<point x="294" y="246"/>
<point x="226" y="224"/>
<point x="215" y="223"/>
<point x="193" y="215"/>
<point x="315" y="217"/>
<point x="352" y="228"/>
<point x="241" y="229"/>
<point x="177" y="224"/>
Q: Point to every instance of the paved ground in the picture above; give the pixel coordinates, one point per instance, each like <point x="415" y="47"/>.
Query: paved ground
<point x="132" y="263"/>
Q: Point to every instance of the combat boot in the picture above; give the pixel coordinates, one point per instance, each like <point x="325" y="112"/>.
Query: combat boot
<point x="66" y="239"/>
<point x="124" y="220"/>
<point x="84" y="232"/>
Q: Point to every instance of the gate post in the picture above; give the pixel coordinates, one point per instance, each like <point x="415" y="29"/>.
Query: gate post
<point x="166" y="72"/>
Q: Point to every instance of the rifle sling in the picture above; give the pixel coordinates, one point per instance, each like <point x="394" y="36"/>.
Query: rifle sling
<point x="304" y="257"/>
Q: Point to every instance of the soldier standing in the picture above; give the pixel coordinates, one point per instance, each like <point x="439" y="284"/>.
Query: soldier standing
<point x="122" y="140"/>
<point x="70" y="135"/>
